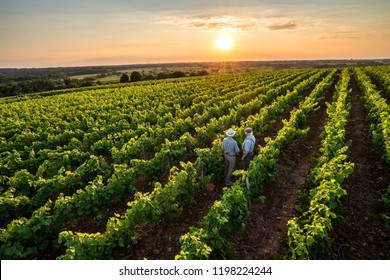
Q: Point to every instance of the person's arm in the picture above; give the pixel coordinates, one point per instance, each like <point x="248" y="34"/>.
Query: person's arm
<point x="244" y="152"/>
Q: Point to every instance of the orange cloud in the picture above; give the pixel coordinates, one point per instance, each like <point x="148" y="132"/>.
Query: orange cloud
<point x="227" y="23"/>
<point x="342" y="32"/>
<point x="214" y="23"/>
<point x="283" y="26"/>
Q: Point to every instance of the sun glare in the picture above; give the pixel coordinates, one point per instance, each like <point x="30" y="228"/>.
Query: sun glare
<point x="224" y="42"/>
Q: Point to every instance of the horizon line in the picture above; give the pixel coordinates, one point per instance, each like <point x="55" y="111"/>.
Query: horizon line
<point x="201" y="62"/>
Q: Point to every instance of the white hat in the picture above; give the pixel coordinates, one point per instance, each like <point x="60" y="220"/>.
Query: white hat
<point x="230" y="132"/>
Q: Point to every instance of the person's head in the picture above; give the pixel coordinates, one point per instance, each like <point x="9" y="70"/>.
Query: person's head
<point x="230" y="132"/>
<point x="248" y="131"/>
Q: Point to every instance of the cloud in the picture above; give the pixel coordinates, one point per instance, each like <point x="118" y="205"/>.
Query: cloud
<point x="339" y="35"/>
<point x="342" y="32"/>
<point x="227" y="23"/>
<point x="283" y="26"/>
<point x="214" y="23"/>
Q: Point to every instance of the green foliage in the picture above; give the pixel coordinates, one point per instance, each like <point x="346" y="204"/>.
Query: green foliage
<point x="378" y="114"/>
<point x="120" y="232"/>
<point x="211" y="160"/>
<point x="86" y="151"/>
<point x="309" y="233"/>
<point x="24" y="237"/>
<point x="224" y="219"/>
<point x="386" y="197"/>
<point x="194" y="245"/>
<point x="90" y="246"/>
<point x="262" y="167"/>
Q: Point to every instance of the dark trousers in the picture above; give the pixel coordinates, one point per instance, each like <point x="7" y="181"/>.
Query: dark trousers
<point x="247" y="159"/>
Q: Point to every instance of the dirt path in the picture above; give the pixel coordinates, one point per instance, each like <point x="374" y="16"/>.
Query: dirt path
<point x="361" y="233"/>
<point x="265" y="235"/>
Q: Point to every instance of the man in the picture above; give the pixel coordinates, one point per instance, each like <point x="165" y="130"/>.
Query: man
<point x="248" y="147"/>
<point x="230" y="149"/>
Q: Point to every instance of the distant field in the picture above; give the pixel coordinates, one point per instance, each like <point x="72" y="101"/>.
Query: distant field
<point x="15" y="81"/>
<point x="111" y="78"/>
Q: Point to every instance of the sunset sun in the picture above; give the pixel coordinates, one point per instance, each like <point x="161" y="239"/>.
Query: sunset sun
<point x="224" y="42"/>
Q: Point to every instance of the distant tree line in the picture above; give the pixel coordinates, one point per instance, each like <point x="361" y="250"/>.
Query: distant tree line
<point x="11" y="86"/>
<point x="15" y="88"/>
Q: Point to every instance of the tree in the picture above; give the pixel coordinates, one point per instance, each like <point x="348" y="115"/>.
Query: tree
<point x="135" y="76"/>
<point x="124" y="78"/>
<point x="162" y="75"/>
<point x="177" y="74"/>
<point x="203" y="73"/>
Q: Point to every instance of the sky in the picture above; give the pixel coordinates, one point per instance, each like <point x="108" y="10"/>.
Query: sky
<point x="50" y="33"/>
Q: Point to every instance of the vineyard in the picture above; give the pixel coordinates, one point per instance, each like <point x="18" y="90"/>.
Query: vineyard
<point x="135" y="171"/>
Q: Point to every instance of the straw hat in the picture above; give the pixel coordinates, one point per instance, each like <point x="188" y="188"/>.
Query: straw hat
<point x="230" y="132"/>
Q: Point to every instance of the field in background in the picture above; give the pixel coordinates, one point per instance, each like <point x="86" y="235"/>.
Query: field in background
<point x="16" y="81"/>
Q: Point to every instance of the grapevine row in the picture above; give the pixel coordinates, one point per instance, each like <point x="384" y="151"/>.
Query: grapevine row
<point x="379" y="117"/>
<point x="310" y="232"/>
<point x="380" y="74"/>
